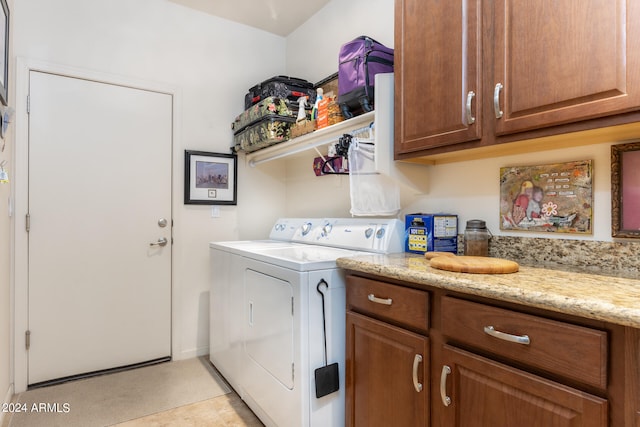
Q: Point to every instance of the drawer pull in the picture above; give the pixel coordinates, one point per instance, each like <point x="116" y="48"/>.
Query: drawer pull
<point x="470" y="119"/>
<point x="518" y="339"/>
<point x="446" y="400"/>
<point x="417" y="360"/>
<point x="496" y="100"/>
<point x="385" y="301"/>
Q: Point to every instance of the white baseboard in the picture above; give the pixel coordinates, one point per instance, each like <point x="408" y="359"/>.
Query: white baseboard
<point x="194" y="352"/>
<point x="7" y="399"/>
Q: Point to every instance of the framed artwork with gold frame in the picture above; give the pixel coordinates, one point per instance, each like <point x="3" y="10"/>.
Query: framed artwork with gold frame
<point x="625" y="190"/>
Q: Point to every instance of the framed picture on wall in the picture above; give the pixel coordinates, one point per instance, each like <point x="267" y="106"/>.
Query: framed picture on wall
<point x="4" y="54"/>
<point x="210" y="178"/>
<point x="625" y="190"/>
<point x="547" y="198"/>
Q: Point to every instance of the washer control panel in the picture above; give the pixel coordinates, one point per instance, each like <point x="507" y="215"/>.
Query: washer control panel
<point x="370" y="235"/>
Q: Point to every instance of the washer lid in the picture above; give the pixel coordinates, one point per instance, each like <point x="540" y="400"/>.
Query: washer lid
<point x="247" y="247"/>
<point x="303" y="257"/>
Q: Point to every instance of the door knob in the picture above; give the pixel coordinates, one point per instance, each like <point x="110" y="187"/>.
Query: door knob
<point x="161" y="242"/>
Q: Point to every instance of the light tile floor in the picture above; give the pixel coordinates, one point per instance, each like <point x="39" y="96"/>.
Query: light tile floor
<point x="227" y="410"/>
<point x="222" y="411"/>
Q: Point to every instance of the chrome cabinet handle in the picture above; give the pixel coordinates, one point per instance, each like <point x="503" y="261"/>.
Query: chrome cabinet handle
<point x="446" y="400"/>
<point x="417" y="360"/>
<point x="161" y="242"/>
<point x="385" y="301"/>
<point x="470" y="119"/>
<point x="519" y="339"/>
<point x="496" y="100"/>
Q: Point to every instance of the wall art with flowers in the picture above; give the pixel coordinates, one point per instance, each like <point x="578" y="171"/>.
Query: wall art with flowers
<point x="550" y="198"/>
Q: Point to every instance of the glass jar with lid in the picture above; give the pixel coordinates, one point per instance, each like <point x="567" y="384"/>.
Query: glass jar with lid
<point x="476" y="238"/>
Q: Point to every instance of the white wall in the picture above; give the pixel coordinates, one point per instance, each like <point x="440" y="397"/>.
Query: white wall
<point x="212" y="62"/>
<point x="470" y="189"/>
<point x="5" y="257"/>
<point x="312" y="49"/>
<point x="312" y="53"/>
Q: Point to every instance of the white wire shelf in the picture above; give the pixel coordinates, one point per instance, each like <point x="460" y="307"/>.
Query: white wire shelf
<point x="311" y="140"/>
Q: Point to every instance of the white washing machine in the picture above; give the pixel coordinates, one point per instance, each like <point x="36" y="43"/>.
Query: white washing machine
<point x="267" y="335"/>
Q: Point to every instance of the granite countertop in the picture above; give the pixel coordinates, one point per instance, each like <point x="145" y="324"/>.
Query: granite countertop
<point x="607" y="298"/>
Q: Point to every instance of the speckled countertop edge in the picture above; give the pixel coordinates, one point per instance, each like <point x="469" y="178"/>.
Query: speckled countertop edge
<point x="611" y="299"/>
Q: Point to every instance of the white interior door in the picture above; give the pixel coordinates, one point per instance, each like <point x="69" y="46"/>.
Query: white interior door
<point x="99" y="188"/>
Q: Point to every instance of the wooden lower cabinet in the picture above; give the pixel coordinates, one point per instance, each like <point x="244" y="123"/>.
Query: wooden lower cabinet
<point x="484" y="393"/>
<point x="568" y="372"/>
<point x="387" y="375"/>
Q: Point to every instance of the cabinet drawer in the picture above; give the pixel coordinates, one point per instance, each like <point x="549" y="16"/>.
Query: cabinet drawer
<point x="397" y="304"/>
<point x="568" y="350"/>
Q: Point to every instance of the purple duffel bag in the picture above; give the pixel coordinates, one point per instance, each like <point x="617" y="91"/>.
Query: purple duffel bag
<point x="359" y="61"/>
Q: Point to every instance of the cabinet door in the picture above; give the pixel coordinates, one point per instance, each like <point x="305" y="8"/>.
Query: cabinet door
<point x="564" y="61"/>
<point x="386" y="375"/>
<point x="484" y="393"/>
<point x="437" y="70"/>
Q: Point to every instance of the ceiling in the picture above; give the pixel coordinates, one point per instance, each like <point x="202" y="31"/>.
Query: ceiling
<point x="279" y="17"/>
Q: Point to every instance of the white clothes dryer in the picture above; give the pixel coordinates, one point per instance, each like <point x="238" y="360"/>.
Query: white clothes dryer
<point x="267" y="334"/>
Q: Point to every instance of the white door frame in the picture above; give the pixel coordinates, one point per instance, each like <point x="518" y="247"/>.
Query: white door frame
<point x="20" y="190"/>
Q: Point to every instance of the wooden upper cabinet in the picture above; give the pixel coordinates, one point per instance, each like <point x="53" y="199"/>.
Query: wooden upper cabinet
<point x="476" y="73"/>
<point x="437" y="73"/>
<point x="564" y="61"/>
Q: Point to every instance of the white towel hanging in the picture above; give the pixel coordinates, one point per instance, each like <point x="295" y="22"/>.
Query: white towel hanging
<point x="372" y="194"/>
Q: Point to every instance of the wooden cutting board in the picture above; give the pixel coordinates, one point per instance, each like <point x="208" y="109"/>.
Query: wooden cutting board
<point x="431" y="255"/>
<point x="474" y="264"/>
